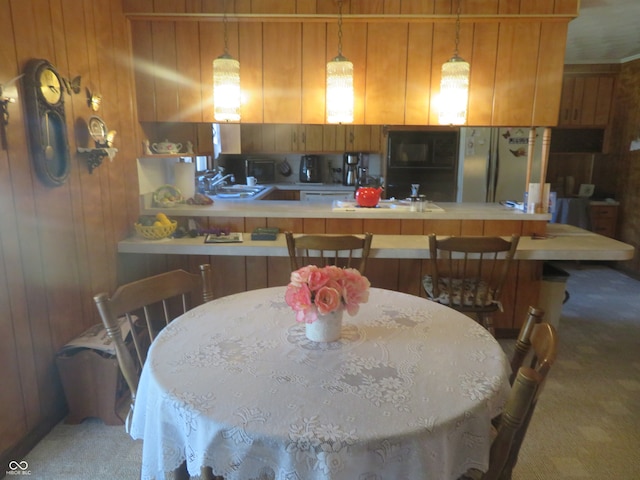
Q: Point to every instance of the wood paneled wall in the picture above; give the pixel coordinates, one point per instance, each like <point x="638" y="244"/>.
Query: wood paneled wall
<point x="397" y="48"/>
<point x="625" y="128"/>
<point x="58" y="244"/>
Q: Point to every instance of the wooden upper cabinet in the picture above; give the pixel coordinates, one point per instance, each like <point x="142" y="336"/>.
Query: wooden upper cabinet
<point x="287" y="138"/>
<point x="314" y="59"/>
<point x="251" y="73"/>
<point x="141" y="40"/>
<point x="516" y="69"/>
<point x="310" y="137"/>
<point x="549" y="74"/>
<point x="282" y="72"/>
<point x="586" y="100"/>
<point x="386" y="73"/>
<point x="516" y="73"/>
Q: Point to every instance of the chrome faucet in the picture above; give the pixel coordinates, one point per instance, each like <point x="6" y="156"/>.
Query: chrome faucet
<point x="211" y="179"/>
<point x="215" y="182"/>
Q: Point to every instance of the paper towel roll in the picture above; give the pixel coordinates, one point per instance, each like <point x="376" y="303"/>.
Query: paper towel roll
<point x="185" y="178"/>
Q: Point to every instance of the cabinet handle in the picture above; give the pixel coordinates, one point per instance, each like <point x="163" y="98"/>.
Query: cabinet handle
<point x="575" y="114"/>
<point x="351" y="137"/>
<point x="304" y="137"/>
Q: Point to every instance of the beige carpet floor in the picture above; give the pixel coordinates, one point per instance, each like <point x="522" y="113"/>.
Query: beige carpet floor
<point x="586" y="425"/>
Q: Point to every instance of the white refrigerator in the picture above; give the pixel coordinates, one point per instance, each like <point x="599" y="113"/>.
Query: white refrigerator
<point x="493" y="163"/>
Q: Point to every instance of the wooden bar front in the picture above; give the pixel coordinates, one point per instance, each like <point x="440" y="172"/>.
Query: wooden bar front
<point x="234" y="274"/>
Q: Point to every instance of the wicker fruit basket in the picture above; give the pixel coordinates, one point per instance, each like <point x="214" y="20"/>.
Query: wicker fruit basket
<point x="156" y="232"/>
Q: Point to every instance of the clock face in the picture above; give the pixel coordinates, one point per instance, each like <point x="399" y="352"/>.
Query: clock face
<point x="44" y="107"/>
<point x="50" y="86"/>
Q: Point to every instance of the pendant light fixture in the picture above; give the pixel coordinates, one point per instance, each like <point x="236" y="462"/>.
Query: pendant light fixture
<point x="454" y="86"/>
<point x="226" y="82"/>
<point x="340" y="84"/>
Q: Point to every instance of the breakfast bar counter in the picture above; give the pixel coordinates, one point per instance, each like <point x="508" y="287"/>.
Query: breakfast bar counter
<point x="399" y="253"/>
<point x="252" y="208"/>
<point x="562" y="242"/>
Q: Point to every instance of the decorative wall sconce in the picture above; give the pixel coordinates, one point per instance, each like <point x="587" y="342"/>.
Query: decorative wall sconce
<point x="454" y="86"/>
<point x="4" y="110"/>
<point x="226" y="82"/>
<point x="340" y="84"/>
<point x="103" y="139"/>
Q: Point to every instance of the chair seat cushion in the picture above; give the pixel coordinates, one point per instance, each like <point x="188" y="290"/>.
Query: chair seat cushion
<point x="462" y="296"/>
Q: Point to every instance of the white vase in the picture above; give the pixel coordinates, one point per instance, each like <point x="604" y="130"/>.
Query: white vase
<point x="327" y="328"/>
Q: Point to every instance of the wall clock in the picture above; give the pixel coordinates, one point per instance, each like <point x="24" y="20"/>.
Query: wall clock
<point x="44" y="104"/>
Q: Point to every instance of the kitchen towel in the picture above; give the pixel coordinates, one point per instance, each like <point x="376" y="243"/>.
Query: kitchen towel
<point x="184" y="175"/>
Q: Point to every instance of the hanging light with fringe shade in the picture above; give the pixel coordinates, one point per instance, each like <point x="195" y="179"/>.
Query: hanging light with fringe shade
<point x="226" y="83"/>
<point x="340" y="84"/>
<point x="454" y="86"/>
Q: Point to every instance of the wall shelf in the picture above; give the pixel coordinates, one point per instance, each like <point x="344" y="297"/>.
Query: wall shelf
<point x="95" y="156"/>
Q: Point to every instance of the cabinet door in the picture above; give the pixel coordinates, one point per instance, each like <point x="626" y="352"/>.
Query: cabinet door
<point x="165" y="57"/>
<point x="286" y="137"/>
<point x="604" y="100"/>
<point x="251" y="74"/>
<point x="251" y="138"/>
<point x="586" y="100"/>
<point x="386" y="73"/>
<point x="589" y="98"/>
<point x="604" y="219"/>
<point x="566" y="101"/>
<point x="142" y="45"/>
<point x="362" y="138"/>
<point x="282" y="72"/>
<point x="310" y="137"/>
<point x="314" y="59"/>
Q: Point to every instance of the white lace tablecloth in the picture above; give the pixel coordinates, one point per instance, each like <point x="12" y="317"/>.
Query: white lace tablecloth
<point x="407" y="393"/>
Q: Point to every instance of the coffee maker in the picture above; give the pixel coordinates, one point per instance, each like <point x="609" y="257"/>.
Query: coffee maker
<point x="350" y="163"/>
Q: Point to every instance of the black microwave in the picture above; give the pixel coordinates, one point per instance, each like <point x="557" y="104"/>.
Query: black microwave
<point x="422" y="149"/>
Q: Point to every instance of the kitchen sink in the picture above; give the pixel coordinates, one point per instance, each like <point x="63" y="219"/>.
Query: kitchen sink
<point x="238" y="191"/>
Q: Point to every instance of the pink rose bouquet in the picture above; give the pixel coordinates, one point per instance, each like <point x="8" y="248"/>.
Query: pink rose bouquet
<point x="320" y="290"/>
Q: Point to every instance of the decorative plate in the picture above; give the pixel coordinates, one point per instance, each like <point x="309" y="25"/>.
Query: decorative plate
<point x="167" y="196"/>
<point x="98" y="130"/>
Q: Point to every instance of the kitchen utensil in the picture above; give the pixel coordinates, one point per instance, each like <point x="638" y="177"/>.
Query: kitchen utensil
<point x="350" y="168"/>
<point x="310" y="169"/>
<point x="166" y="147"/>
<point x="368" y="196"/>
<point x="284" y="168"/>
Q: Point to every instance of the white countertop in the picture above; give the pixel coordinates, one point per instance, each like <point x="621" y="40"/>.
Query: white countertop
<point x="564" y="242"/>
<point x="298" y="209"/>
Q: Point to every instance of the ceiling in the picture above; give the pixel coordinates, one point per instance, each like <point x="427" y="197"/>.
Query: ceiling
<point x="606" y="31"/>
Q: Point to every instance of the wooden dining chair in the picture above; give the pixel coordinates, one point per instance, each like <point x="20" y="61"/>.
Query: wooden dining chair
<point x="467" y="273"/>
<point x="523" y="342"/>
<point x="514" y="421"/>
<point x="157" y="300"/>
<point x="350" y="251"/>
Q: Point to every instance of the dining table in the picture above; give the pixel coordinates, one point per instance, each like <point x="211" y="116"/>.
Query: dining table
<point x="408" y="392"/>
